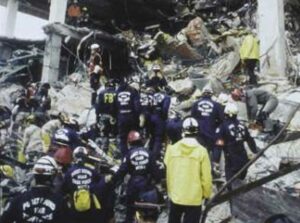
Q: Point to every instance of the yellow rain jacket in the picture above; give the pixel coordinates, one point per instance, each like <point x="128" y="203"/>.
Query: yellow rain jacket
<point x="189" y="178"/>
<point x="249" y="48"/>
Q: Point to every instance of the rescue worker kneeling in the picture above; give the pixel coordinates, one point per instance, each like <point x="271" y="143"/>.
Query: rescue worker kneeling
<point x="141" y="167"/>
<point x="40" y="203"/>
<point x="189" y="179"/>
<point x="78" y="184"/>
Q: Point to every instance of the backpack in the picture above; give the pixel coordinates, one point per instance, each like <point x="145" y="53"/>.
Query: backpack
<point x="83" y="200"/>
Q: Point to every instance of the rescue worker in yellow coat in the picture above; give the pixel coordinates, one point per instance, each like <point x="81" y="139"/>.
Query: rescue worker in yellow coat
<point x="249" y="53"/>
<point x="189" y="179"/>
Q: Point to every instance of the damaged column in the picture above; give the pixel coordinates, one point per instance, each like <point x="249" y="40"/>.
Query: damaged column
<point x="53" y="44"/>
<point x="11" y="17"/>
<point x="272" y="38"/>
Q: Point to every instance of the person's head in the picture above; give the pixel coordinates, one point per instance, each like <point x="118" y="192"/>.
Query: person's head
<point x="63" y="156"/>
<point x="156" y="68"/>
<point x="95" y="47"/>
<point x="148" y="206"/>
<point x="190" y="127"/>
<point x="6" y="171"/>
<point x="207" y="91"/>
<point x="79" y="154"/>
<point x="231" y="110"/>
<point x="44" y="170"/>
<point x="237" y="94"/>
<point x="134" y="138"/>
<point x="279" y="218"/>
<point x="72" y="123"/>
<point x="110" y="83"/>
<point x="223" y="99"/>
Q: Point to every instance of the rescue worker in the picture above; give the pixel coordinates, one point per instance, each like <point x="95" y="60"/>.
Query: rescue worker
<point x="146" y="101"/>
<point x="50" y="127"/>
<point x="253" y="98"/>
<point x="157" y="80"/>
<point x="81" y="176"/>
<point x="39" y="204"/>
<point x="189" y="179"/>
<point x="159" y="116"/>
<point x="249" y="53"/>
<point x="68" y="135"/>
<point x="32" y="138"/>
<point x="142" y="168"/>
<point x="174" y="127"/>
<point x="128" y="111"/>
<point x="209" y="115"/>
<point x="64" y="141"/>
<point x="106" y="112"/>
<point x="230" y="138"/>
<point x="95" y="70"/>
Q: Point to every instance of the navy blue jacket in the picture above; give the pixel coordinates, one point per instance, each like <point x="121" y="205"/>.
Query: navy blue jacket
<point x="107" y="102"/>
<point x="39" y="204"/>
<point x="79" y="175"/>
<point x="230" y="137"/>
<point x="209" y="115"/>
<point x="128" y="100"/>
<point x="161" y="105"/>
<point x="174" y="129"/>
<point x="146" y="101"/>
<point x="138" y="163"/>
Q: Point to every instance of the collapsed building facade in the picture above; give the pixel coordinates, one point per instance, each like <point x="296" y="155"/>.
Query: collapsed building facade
<point x="197" y="44"/>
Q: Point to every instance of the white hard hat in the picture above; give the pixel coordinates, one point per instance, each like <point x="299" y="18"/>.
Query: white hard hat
<point x="231" y="109"/>
<point x="46" y="165"/>
<point x="95" y="46"/>
<point x="223" y="99"/>
<point x="79" y="152"/>
<point x="156" y="67"/>
<point x="190" y="126"/>
<point x="207" y="89"/>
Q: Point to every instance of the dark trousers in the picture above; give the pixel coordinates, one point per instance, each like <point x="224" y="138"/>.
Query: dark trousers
<point x="191" y="214"/>
<point x="250" y="65"/>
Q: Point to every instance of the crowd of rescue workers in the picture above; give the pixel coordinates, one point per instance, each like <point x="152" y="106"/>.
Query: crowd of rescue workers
<point x="160" y="159"/>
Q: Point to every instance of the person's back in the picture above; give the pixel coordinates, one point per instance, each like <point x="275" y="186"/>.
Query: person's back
<point x="39" y="204"/>
<point x="261" y="96"/>
<point x="188" y="172"/>
<point x="189" y="179"/>
<point x="107" y="102"/>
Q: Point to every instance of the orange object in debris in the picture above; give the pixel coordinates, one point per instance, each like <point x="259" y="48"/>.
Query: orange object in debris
<point x="74" y="11"/>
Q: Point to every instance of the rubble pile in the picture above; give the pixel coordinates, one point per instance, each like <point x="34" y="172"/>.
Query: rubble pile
<point x="203" y="53"/>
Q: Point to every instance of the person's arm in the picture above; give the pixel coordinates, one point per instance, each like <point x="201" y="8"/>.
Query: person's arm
<point x="206" y="177"/>
<point x="250" y="141"/>
<point x="121" y="173"/>
<point x="9" y="214"/>
<point x="166" y="106"/>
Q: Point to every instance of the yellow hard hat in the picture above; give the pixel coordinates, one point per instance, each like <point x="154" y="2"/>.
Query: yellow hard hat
<point x="7" y="170"/>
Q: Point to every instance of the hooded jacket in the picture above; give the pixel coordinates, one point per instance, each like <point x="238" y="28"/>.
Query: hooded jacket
<point x="189" y="179"/>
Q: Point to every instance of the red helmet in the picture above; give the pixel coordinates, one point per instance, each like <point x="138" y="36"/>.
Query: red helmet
<point x="237" y="94"/>
<point x="133" y="136"/>
<point x="63" y="155"/>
